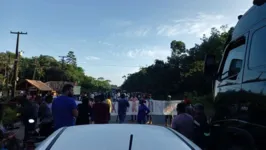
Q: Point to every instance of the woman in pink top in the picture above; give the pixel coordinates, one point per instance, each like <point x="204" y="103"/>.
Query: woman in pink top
<point x="134" y="100"/>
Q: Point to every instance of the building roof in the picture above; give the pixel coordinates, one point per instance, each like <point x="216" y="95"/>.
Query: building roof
<point x="39" y="85"/>
<point x="58" y="85"/>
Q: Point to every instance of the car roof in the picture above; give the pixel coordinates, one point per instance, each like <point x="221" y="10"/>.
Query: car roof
<point x="117" y="137"/>
<point x="253" y="16"/>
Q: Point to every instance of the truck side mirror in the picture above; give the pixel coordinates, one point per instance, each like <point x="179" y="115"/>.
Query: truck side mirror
<point x="210" y="66"/>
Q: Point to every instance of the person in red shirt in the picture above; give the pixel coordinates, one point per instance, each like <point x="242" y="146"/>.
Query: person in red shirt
<point x="189" y="108"/>
<point x="100" y="111"/>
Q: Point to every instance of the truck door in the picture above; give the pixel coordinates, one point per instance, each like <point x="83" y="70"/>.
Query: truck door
<point x="228" y="84"/>
<point x="253" y="104"/>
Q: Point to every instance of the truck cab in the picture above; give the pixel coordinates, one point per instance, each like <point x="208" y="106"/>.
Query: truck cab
<point x="239" y="85"/>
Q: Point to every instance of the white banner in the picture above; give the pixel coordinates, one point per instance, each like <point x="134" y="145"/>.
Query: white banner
<point x="76" y="90"/>
<point x="156" y="107"/>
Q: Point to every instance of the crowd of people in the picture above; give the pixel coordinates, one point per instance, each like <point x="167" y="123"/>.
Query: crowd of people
<point x="191" y="122"/>
<point x="53" y="113"/>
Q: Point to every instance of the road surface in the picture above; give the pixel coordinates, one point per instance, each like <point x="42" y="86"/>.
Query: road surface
<point x="156" y="119"/>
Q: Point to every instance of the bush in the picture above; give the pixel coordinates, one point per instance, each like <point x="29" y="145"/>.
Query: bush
<point x="9" y="116"/>
<point x="206" y="100"/>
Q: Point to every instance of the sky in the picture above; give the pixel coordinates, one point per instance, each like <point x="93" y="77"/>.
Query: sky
<point x="111" y="38"/>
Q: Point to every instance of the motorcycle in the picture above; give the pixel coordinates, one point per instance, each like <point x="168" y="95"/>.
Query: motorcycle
<point x="35" y="136"/>
<point x="8" y="139"/>
<point x="32" y="133"/>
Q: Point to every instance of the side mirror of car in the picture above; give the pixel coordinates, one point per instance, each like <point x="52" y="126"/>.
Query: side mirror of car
<point x="210" y="67"/>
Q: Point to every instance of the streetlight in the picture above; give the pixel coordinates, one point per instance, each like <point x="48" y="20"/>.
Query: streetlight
<point x="21" y="52"/>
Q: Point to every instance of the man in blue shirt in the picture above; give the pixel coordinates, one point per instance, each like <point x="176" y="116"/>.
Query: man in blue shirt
<point x="64" y="108"/>
<point x="142" y="112"/>
<point x="123" y="104"/>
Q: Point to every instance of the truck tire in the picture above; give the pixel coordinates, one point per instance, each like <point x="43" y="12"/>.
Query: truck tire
<point x="235" y="139"/>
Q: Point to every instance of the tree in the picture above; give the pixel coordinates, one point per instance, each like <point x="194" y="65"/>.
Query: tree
<point x="71" y="58"/>
<point x="100" y="78"/>
<point x="183" y="70"/>
<point x="178" y="47"/>
<point x="47" y="68"/>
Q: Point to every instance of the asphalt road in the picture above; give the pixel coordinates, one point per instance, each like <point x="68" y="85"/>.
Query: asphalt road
<point x="156" y="119"/>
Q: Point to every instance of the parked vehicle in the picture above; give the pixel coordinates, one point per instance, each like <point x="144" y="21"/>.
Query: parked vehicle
<point x="240" y="85"/>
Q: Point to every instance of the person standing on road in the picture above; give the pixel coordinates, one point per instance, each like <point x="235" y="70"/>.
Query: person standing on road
<point x="46" y="117"/>
<point x="150" y="106"/>
<point x="183" y="122"/>
<point x="109" y="102"/>
<point x="134" y="100"/>
<point x="64" y="108"/>
<point x="142" y="112"/>
<point x="168" y="117"/>
<point x="29" y="111"/>
<point x="123" y="104"/>
<point x="189" y="107"/>
<point x="100" y="111"/>
<point x="84" y="112"/>
<point x="200" y="121"/>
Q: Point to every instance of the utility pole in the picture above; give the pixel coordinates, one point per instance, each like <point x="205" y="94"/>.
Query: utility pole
<point x="15" y="74"/>
<point x="63" y="67"/>
<point x="8" y="73"/>
<point x="63" y="61"/>
<point x="35" y="68"/>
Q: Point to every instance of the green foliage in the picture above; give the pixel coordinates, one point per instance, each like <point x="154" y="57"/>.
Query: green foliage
<point x="206" y="100"/>
<point x="183" y="70"/>
<point x="9" y="115"/>
<point x="47" y="68"/>
<point x="71" y="58"/>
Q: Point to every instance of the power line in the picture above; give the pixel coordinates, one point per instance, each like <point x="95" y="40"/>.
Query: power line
<point x="16" y="62"/>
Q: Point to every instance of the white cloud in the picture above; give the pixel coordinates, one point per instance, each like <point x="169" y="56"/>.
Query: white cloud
<point x="83" y="62"/>
<point x="113" y="53"/>
<point x="117" y="76"/>
<point x="139" y="32"/>
<point x="116" y="23"/>
<point x="92" y="58"/>
<point x="105" y="43"/>
<point x="198" y="26"/>
<point x="153" y="52"/>
<point x="123" y="23"/>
